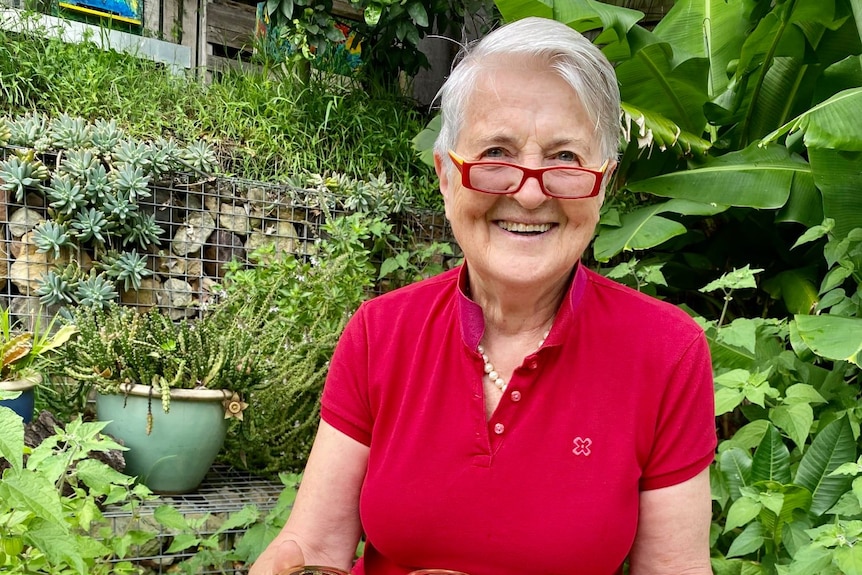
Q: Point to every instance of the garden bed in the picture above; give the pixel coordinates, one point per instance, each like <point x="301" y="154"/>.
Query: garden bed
<point x="223" y="491"/>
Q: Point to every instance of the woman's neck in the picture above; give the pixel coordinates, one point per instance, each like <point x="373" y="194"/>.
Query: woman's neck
<point x="516" y="310"/>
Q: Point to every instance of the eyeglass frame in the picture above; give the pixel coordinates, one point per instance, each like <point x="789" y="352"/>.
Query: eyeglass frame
<point x="528" y="173"/>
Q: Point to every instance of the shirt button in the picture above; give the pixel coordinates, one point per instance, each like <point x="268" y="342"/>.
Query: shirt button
<point x="533" y="364"/>
<point x="499" y="428"/>
<point x="516" y="396"/>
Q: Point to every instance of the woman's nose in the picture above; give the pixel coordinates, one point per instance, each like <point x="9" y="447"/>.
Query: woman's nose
<point x="530" y="196"/>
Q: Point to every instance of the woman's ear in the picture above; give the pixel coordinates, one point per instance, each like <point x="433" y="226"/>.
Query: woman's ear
<point x="606" y="178"/>
<point x="442" y="168"/>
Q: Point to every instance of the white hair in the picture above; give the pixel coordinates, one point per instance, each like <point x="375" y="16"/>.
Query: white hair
<point x="577" y="61"/>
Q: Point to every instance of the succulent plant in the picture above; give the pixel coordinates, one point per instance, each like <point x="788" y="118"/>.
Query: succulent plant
<point x="50" y="236"/>
<point x="97" y="184"/>
<point x="200" y="156"/>
<point x="142" y="230"/>
<point x="68" y="133"/>
<point x="19" y="173"/>
<point x="95" y="291"/>
<point x="128" y="267"/>
<point x="58" y="286"/>
<point x="92" y="225"/>
<point x="65" y="195"/>
<point x="77" y="163"/>
<point x="130" y="180"/>
<point x="106" y="136"/>
<point x="30" y="131"/>
<point x="134" y="154"/>
<point x="164" y="157"/>
<point x="119" y="207"/>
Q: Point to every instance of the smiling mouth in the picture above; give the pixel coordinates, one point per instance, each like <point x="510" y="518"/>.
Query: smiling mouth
<point x="526" y="229"/>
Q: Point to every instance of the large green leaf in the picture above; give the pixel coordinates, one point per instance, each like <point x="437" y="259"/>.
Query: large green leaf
<point x="711" y="29"/>
<point x="757" y="177"/>
<point x="833" y="446"/>
<point x="736" y="467"/>
<point x="796" y="288"/>
<point x="795" y="420"/>
<point x="839" y="180"/>
<point x="644" y="228"/>
<point x="771" y="460"/>
<point x="581" y="15"/>
<point x="12" y="438"/>
<point x="31" y="492"/>
<point x="512" y="10"/>
<point x="805" y="204"/>
<point x="849" y="559"/>
<point x="650" y="80"/>
<point x="835" y="123"/>
<point x="831" y="336"/>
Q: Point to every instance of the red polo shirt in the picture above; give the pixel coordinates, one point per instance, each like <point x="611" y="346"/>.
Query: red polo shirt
<point x="619" y="399"/>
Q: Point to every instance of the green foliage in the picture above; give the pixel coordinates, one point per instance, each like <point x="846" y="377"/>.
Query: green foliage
<point x="258" y="536"/>
<point x="51" y="515"/>
<point x="55" y="519"/>
<point x="310" y="302"/>
<point x="263" y="124"/>
<point x="192" y="533"/>
<point x="786" y="389"/>
<point x="118" y="345"/>
<point x="24" y="351"/>
<point x="388" y="32"/>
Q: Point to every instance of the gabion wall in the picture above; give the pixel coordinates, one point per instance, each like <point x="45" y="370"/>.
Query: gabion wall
<point x="205" y="225"/>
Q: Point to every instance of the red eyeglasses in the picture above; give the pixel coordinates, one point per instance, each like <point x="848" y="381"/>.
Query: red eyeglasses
<point x="563" y="182"/>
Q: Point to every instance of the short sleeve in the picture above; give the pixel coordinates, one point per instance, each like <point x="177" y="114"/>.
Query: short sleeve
<point x="345" y="403"/>
<point x="685" y="437"/>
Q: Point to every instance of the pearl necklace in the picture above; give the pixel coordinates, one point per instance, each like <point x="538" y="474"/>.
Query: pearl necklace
<point x="492" y="373"/>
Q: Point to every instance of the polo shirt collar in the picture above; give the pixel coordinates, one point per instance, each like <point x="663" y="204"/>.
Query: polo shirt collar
<point x="472" y="319"/>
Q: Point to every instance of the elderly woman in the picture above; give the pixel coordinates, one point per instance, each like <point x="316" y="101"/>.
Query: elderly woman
<point x="519" y="414"/>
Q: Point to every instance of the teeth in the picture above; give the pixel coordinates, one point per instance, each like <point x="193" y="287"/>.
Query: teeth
<point x="518" y="227"/>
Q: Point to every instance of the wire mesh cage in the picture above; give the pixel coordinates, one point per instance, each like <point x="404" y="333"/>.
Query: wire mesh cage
<point x="186" y="234"/>
<point x="224" y="491"/>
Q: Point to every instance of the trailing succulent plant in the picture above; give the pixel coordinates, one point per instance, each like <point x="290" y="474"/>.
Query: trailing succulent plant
<point x="92" y="197"/>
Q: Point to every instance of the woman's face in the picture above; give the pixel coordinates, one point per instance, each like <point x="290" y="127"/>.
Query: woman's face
<point x="523" y="113"/>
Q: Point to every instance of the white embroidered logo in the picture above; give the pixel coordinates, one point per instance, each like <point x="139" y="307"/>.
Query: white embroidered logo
<point x="582" y="446"/>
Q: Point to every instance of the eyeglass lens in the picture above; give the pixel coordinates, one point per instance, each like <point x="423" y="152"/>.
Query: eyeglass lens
<point x="501" y="179"/>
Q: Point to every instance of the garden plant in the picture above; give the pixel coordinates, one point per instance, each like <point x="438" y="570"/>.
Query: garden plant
<point x="736" y="198"/>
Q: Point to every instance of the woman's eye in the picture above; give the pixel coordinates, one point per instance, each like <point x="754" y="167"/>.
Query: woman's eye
<point x="493" y="153"/>
<point x="566" y="157"/>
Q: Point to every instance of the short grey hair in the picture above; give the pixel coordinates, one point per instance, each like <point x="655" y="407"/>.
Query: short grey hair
<point x="577" y="60"/>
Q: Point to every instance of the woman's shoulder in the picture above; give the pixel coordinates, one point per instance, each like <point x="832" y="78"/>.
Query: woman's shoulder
<point x="630" y="305"/>
<point x="423" y="294"/>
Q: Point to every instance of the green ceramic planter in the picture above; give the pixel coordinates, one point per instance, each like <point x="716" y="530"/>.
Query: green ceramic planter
<point x="176" y="455"/>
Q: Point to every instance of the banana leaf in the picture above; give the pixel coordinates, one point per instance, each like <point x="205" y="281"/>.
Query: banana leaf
<point x="835" y="123"/>
<point x="839" y="178"/>
<point x="756" y="177"/>
<point x="653" y="129"/>
<point x="651" y="80"/>
<point x="582" y="15"/>
<point x="711" y="29"/>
